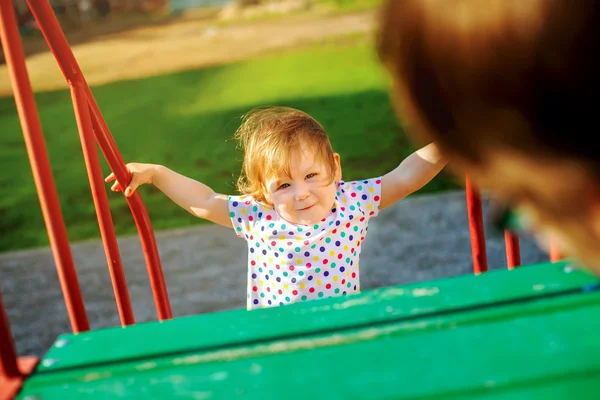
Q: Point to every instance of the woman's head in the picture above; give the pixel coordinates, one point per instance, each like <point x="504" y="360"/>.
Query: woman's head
<point x="282" y="147"/>
<point x="506" y="88"/>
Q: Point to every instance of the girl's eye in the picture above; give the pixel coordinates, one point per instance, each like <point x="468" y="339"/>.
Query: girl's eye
<point x="284" y="186"/>
<point x="311" y="175"/>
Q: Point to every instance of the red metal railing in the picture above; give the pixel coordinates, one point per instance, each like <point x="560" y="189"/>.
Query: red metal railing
<point x="91" y="123"/>
<point x="476" y="231"/>
<point x="513" y="250"/>
<point x="475" y="214"/>
<point x="92" y="129"/>
<point x="555" y="254"/>
<point x="8" y="355"/>
<point x="40" y="166"/>
<point x="13" y="370"/>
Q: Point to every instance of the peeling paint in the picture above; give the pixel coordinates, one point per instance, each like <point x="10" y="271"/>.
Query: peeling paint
<point x="285" y="346"/>
<point x="358" y="301"/>
<point x="318" y="309"/>
<point x="255" y="369"/>
<point x="420" y="292"/>
<point x="146" y="366"/>
<point x="392" y="292"/>
<point x="219" y="376"/>
<point x="93" y="376"/>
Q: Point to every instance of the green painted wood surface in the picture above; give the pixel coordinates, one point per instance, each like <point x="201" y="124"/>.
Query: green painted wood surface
<point x="527" y="333"/>
<point x="370" y="308"/>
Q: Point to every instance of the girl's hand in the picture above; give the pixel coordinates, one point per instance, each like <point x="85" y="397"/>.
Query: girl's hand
<point x="141" y="174"/>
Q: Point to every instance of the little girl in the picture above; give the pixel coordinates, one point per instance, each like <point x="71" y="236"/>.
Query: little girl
<point x="303" y="224"/>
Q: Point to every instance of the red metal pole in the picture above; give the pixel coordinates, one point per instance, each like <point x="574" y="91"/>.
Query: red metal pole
<point x="475" y="213"/>
<point x="513" y="250"/>
<point x="111" y="247"/>
<point x="40" y="166"/>
<point x="59" y="46"/>
<point x="8" y="354"/>
<point x="10" y="375"/>
<point x="138" y="210"/>
<point x="555" y="253"/>
<point x="13" y="371"/>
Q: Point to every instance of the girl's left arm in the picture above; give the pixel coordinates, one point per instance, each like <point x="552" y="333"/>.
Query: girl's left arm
<point x="414" y="172"/>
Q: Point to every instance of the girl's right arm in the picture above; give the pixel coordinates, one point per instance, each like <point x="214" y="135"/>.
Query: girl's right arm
<point x="191" y="195"/>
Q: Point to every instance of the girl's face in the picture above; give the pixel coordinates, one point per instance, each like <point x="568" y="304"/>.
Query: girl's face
<point x="556" y="199"/>
<point x="307" y="196"/>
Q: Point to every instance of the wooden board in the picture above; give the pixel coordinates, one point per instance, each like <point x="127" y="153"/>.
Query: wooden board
<point x="530" y="333"/>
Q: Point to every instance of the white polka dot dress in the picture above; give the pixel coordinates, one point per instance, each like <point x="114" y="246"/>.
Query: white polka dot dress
<point x="288" y="263"/>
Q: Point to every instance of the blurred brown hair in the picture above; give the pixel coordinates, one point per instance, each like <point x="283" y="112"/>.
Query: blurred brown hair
<point x="471" y="74"/>
<point x="268" y="136"/>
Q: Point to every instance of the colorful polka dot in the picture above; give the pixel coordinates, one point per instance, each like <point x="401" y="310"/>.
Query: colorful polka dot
<point x="289" y="262"/>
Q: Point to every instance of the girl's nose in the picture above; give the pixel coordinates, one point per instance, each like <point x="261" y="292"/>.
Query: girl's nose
<point x="302" y="193"/>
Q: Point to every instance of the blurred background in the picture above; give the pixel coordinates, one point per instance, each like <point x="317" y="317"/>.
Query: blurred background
<point x="172" y="79"/>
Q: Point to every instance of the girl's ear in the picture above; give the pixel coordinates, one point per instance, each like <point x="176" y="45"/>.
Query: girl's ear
<point x="337" y="175"/>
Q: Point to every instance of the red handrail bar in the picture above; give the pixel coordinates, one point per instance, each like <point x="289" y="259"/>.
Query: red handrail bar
<point x="59" y="46"/>
<point x="8" y="354"/>
<point x="13" y="370"/>
<point x="475" y="214"/>
<point x="97" y="185"/>
<point x="513" y="250"/>
<point x="10" y="376"/>
<point x="476" y="230"/>
<point x="555" y="254"/>
<point x="137" y="207"/>
<point x="40" y="166"/>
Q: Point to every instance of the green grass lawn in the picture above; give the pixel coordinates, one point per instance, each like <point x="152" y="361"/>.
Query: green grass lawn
<point x="348" y="5"/>
<point x="185" y="121"/>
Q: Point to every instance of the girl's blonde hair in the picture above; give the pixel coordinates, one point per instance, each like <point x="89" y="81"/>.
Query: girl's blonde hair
<point x="269" y="136"/>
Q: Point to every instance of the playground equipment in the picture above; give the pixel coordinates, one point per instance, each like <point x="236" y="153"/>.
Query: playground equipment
<point x="528" y="333"/>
